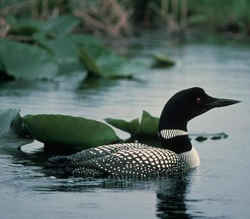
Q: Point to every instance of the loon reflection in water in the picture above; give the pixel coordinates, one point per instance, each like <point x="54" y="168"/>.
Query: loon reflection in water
<point x="171" y="198"/>
<point x="134" y="160"/>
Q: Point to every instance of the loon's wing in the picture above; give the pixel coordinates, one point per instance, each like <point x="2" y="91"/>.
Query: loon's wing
<point x="102" y="151"/>
<point x="76" y="164"/>
<point x="135" y="162"/>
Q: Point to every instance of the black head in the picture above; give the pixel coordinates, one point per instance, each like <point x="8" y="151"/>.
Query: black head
<point x="187" y="104"/>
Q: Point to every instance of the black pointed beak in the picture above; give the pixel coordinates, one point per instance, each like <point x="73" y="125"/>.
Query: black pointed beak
<point x="220" y="102"/>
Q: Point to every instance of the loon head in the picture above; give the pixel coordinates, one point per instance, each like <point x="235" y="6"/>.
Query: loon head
<point x="181" y="108"/>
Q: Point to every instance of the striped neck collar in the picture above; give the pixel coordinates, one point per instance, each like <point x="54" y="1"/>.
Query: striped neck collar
<point x="175" y="140"/>
<point x="171" y="133"/>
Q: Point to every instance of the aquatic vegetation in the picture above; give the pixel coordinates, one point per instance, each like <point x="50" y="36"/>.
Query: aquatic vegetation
<point x="55" y="26"/>
<point x="132" y="127"/>
<point x="7" y="116"/>
<point x="146" y="126"/>
<point x="21" y="60"/>
<point x="117" y="18"/>
<point x="106" y="65"/>
<point x="225" y="15"/>
<point x="70" y="132"/>
<point x="162" y="61"/>
<point x="11" y="134"/>
<point x="55" y="50"/>
<point x="35" y="54"/>
<point x="57" y="132"/>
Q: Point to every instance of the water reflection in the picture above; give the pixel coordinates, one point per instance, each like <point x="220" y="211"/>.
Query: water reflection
<point x="93" y="83"/>
<point x="171" y="198"/>
<point x="170" y="192"/>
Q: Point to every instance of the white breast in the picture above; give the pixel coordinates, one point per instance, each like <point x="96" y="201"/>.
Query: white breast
<point x="190" y="158"/>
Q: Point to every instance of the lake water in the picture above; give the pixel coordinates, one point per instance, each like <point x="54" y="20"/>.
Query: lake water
<point x="219" y="188"/>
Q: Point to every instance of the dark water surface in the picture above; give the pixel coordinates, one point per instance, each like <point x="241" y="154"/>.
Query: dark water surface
<point x="219" y="188"/>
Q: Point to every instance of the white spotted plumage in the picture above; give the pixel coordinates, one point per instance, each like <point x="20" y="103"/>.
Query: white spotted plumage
<point x="133" y="160"/>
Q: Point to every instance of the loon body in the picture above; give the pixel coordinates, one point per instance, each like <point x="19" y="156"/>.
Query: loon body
<point x="134" y="160"/>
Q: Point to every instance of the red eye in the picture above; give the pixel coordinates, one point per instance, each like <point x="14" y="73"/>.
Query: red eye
<point x="198" y="100"/>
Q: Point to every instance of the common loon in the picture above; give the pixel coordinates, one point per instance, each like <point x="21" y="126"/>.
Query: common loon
<point x="135" y="160"/>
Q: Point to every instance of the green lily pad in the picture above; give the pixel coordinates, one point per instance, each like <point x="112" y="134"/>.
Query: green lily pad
<point x="58" y="26"/>
<point x="102" y="63"/>
<point x="86" y="40"/>
<point x="24" y="26"/>
<point x="9" y="130"/>
<point x="149" y="124"/>
<point x="92" y="69"/>
<point x="68" y="131"/>
<point x="26" y="61"/>
<point x="73" y="50"/>
<point x="61" y="25"/>
<point x="147" y="127"/>
<point x="131" y="127"/>
<point x="6" y="118"/>
<point x="63" y="49"/>
<point x="4" y="76"/>
<point x="162" y="61"/>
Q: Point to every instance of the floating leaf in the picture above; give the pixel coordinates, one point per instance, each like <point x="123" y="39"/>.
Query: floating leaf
<point x="113" y="66"/>
<point x="26" y="61"/>
<point x="149" y="124"/>
<point x="57" y="26"/>
<point x="6" y="118"/>
<point x="86" y="40"/>
<point x="161" y="61"/>
<point x="147" y="127"/>
<point x="89" y="63"/>
<point x="63" y="49"/>
<point x="61" y="25"/>
<point x="131" y="127"/>
<point x="9" y="128"/>
<point x="68" y="131"/>
<point x="4" y="76"/>
<point x="24" y="26"/>
<point x="104" y="64"/>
